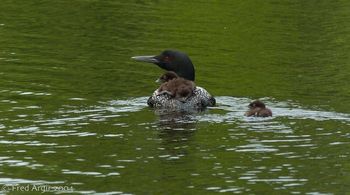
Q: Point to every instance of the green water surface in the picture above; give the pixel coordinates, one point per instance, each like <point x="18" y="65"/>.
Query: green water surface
<point x="73" y="106"/>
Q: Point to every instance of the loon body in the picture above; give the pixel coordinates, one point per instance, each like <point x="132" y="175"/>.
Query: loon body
<point x="181" y="64"/>
<point x="199" y="100"/>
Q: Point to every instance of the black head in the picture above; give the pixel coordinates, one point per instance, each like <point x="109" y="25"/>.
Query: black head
<point x="171" y="60"/>
<point x="170" y="75"/>
<point x="257" y="104"/>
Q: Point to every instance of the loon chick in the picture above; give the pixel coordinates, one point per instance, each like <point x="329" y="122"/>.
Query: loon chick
<point x="181" y="64"/>
<point x="258" y="109"/>
<point x="175" y="86"/>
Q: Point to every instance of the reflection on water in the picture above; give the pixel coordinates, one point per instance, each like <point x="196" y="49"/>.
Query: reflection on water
<point x="73" y="105"/>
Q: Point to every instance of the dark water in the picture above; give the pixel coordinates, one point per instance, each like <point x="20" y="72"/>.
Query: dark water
<point x="73" y="105"/>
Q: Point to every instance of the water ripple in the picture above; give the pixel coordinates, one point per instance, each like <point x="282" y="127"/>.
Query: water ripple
<point x="228" y="110"/>
<point x="12" y="181"/>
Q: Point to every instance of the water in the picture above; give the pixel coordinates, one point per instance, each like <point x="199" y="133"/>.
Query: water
<point x="73" y="105"/>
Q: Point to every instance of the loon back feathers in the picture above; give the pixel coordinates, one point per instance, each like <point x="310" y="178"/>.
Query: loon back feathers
<point x="200" y="99"/>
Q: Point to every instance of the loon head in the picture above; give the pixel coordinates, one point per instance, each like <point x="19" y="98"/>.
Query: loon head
<point x="257" y="104"/>
<point x="171" y="60"/>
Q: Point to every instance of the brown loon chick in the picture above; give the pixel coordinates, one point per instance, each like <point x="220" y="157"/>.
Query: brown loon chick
<point x="258" y="109"/>
<point x="175" y="86"/>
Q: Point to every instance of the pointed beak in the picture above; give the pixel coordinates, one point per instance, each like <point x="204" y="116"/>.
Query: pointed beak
<point x="158" y="81"/>
<point x="149" y="59"/>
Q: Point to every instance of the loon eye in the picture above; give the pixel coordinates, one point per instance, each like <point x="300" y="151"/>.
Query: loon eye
<point x="166" y="59"/>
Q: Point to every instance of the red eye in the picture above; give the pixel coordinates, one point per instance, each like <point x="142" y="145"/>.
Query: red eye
<point x="166" y="59"/>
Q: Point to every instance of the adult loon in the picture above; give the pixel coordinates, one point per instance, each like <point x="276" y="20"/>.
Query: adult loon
<point x="181" y="64"/>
